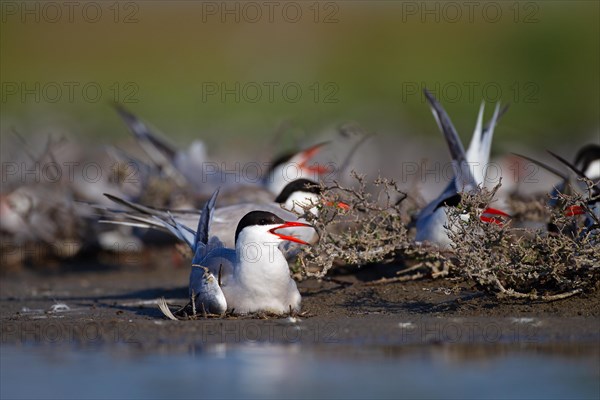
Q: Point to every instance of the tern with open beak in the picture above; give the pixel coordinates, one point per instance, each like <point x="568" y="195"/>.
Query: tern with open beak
<point x="252" y="277"/>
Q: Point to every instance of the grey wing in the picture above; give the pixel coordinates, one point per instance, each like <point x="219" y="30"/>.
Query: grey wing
<point x="180" y="231"/>
<point x="464" y="178"/>
<point x="448" y="192"/>
<point x="205" y="291"/>
<point x="156" y="148"/>
<point x="143" y="215"/>
<point x="563" y="175"/>
<point x="204" y="221"/>
<point x="220" y="261"/>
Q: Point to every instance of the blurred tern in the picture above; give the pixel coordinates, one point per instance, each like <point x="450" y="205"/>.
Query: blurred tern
<point x="189" y="169"/>
<point x="295" y="166"/>
<point x="163" y="154"/>
<point x="587" y="160"/>
<point x="469" y="167"/>
<point x="586" y="165"/>
<point x="593" y="203"/>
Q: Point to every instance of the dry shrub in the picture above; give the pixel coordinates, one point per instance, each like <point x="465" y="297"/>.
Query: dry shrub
<point x="372" y="231"/>
<point x="532" y="208"/>
<point x="505" y="260"/>
<point x="526" y="263"/>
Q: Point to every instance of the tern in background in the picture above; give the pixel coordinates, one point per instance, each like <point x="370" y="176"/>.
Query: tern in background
<point x="295" y="166"/>
<point x="587" y="160"/>
<point x="470" y="169"/>
<point x="586" y="165"/>
<point x="191" y="168"/>
<point x="593" y="201"/>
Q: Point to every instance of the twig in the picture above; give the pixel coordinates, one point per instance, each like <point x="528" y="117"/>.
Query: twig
<point x="382" y="281"/>
<point x="532" y="296"/>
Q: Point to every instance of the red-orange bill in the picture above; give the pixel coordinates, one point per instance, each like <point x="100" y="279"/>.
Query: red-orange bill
<point x="574" y="210"/>
<point x="308" y="154"/>
<point x="290" y="224"/>
<point x="311" y="152"/>
<point x="494" y="216"/>
<point x="338" y="204"/>
<point x="318" y="169"/>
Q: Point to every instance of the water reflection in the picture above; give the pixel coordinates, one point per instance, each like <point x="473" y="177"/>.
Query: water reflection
<point x="278" y="371"/>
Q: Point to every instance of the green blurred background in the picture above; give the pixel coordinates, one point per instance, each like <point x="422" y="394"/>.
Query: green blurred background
<point x="365" y="62"/>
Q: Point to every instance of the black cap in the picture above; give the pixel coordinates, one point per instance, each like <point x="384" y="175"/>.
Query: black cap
<point x="586" y="155"/>
<point x="299" y="185"/>
<point x="451" y="201"/>
<point x="257" y="218"/>
<point x="281" y="159"/>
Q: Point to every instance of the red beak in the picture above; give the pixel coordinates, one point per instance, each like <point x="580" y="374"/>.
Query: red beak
<point x="308" y="154"/>
<point x="289" y="224"/>
<point x="317" y="169"/>
<point x="574" y="210"/>
<point x="494" y="216"/>
<point x="338" y="204"/>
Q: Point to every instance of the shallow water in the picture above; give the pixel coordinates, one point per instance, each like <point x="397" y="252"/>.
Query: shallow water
<point x="283" y="371"/>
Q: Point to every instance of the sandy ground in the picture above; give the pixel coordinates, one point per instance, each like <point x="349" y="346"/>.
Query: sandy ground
<point x="116" y="304"/>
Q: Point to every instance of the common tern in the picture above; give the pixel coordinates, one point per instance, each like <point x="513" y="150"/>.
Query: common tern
<point x="252" y="277"/>
<point x="470" y="171"/>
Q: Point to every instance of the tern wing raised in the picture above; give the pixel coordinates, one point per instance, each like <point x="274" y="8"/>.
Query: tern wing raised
<point x="464" y="179"/>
